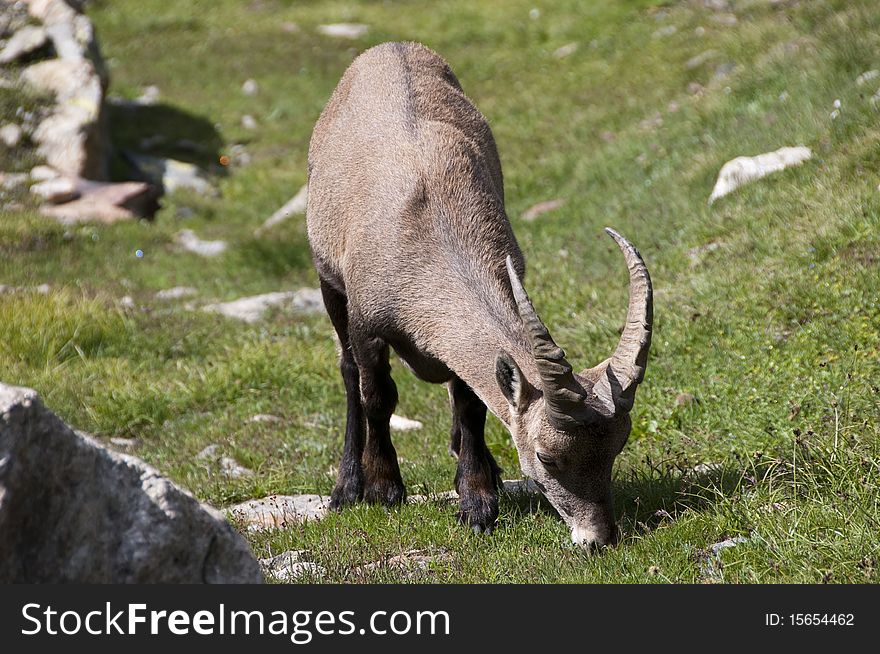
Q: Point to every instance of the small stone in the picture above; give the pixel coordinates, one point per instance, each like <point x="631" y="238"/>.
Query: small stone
<point x="233" y="469"/>
<point x="170" y="174"/>
<point x="743" y="170"/>
<point x="250" y="87"/>
<point x="685" y="399"/>
<point x="106" y="202"/>
<point x="176" y="293"/>
<point x="706" y="468"/>
<point x="668" y="30"/>
<point x="288" y="567"/>
<point x="188" y="240"/>
<point x="289" y="27"/>
<point x="726" y="20"/>
<point x="296" y="205"/>
<point x="210" y="452"/>
<point x="541" y="208"/>
<point x="344" y="30"/>
<point x="127" y="302"/>
<point x="264" y="417"/>
<point x="149" y="96"/>
<point x="700" y="59"/>
<point x="249" y="122"/>
<point x="56" y="191"/>
<point x="695" y="88"/>
<point x="399" y="423"/>
<point x="867" y="76"/>
<point x="10" y="135"/>
<point x="723" y="70"/>
<point x="653" y="571"/>
<point x="565" y="50"/>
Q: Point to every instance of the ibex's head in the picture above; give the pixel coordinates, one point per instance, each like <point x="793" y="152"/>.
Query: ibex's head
<point x="569" y="431"/>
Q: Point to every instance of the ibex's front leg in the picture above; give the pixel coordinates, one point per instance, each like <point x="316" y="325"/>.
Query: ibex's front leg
<point x="478" y="476"/>
<point x="350" y="480"/>
<point x="382" y="481"/>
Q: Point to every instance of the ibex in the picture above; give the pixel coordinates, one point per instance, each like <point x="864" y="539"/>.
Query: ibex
<point x="414" y="251"/>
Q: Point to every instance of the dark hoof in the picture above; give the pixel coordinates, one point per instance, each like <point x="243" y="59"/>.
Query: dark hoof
<point x="346" y="493"/>
<point x="479" y="510"/>
<point x="387" y="492"/>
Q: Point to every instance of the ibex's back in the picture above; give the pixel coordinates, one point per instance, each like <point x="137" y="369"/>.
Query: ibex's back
<point x="414" y="251"/>
<point x="406" y="201"/>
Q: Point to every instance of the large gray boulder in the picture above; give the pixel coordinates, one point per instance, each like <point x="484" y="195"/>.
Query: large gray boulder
<point x="73" y="511"/>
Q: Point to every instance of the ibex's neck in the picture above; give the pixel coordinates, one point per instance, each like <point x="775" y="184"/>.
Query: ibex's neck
<point x="489" y="325"/>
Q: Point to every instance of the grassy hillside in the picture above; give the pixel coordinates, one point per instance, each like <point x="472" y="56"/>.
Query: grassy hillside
<point x="766" y="302"/>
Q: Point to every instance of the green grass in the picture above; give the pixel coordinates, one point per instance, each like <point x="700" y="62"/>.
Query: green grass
<point x="776" y="332"/>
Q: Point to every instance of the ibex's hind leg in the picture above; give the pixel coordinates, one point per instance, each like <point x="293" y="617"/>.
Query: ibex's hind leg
<point x="382" y="481"/>
<point x="350" y="480"/>
<point x="478" y="477"/>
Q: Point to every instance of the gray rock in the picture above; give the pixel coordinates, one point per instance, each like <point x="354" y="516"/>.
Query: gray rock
<point x="73" y="511"/>
<point x="187" y="239"/>
<point x="250" y="87"/>
<point x="565" y="50"/>
<point x="295" y="205"/>
<point x="26" y="40"/>
<point x="170" y="174"/>
<point x="209" y="453"/>
<point x="249" y="122"/>
<point x="698" y="60"/>
<point x="56" y="191"/>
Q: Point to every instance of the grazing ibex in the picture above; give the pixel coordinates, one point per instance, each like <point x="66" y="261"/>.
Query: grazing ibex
<point x="414" y="251"/>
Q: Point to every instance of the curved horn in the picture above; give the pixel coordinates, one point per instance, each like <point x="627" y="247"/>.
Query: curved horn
<point x="564" y="397"/>
<point x="626" y="368"/>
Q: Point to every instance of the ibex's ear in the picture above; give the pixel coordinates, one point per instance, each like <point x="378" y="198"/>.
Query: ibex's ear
<point x="510" y="379"/>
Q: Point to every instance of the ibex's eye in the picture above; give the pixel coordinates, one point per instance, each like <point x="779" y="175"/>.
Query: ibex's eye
<point x="546" y="460"/>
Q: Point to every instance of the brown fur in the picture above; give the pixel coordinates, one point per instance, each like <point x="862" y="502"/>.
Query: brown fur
<point x="409" y="235"/>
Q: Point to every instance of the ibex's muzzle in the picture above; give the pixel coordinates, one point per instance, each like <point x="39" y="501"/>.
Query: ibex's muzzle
<point x="596" y="531"/>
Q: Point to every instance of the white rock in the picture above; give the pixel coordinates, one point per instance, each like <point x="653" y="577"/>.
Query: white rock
<point x="296" y="205"/>
<point x="249" y="122"/>
<point x="176" y="293"/>
<point x="127" y="301"/>
<point x="250" y="87"/>
<point x="171" y="174"/>
<point x="232" y="468"/>
<point x="698" y="60"/>
<point x="264" y="417"/>
<point x="188" y="240"/>
<point x="565" y="50"/>
<point x="743" y="170"/>
<point x="24" y="41"/>
<point x="56" y="191"/>
<point x="399" y="423"/>
<point x="251" y="309"/>
<point x="344" y="30"/>
<point x="278" y="511"/>
<point x="10" y="135"/>
<point x="867" y="76"/>
<point x="41" y="173"/>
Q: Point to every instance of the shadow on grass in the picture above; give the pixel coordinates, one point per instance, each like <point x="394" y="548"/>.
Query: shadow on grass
<point x="161" y="130"/>
<point x="646" y="500"/>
